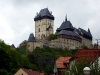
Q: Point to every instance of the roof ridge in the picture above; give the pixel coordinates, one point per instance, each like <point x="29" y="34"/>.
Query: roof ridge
<point x="30" y="71"/>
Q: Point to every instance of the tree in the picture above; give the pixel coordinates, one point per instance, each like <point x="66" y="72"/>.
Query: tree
<point x="11" y="60"/>
<point x="95" y="68"/>
<point x="53" y="36"/>
<point x="44" y="58"/>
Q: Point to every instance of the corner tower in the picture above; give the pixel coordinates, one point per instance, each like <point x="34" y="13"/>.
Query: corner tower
<point x="30" y="43"/>
<point x="44" y="23"/>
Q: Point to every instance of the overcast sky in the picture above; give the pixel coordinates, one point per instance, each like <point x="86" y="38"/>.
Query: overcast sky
<point x="17" y="16"/>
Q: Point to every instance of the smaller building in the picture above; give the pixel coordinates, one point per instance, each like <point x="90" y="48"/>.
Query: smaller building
<point x="23" y="71"/>
<point x="62" y="63"/>
<point x="89" y="55"/>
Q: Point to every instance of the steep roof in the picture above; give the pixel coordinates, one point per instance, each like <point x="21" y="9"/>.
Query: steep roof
<point x="90" y="54"/>
<point x="84" y="33"/>
<point x="71" y="33"/>
<point x="61" y="60"/>
<point x="30" y="71"/>
<point x="89" y="32"/>
<point x="13" y="46"/>
<point x="31" y="38"/>
<point x="65" y="25"/>
<point x="44" y="13"/>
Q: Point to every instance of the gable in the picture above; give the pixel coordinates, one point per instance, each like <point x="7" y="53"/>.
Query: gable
<point x="20" y="72"/>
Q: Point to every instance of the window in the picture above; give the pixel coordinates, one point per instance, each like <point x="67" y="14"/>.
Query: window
<point x="28" y="45"/>
<point x="39" y="30"/>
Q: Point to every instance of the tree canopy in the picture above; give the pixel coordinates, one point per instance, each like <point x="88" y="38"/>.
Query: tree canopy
<point x="45" y="58"/>
<point x="11" y="60"/>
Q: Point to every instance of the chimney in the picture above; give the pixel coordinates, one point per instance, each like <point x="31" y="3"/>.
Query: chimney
<point x="96" y="46"/>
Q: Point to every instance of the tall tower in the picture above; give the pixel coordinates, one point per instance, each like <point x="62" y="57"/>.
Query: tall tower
<point x="44" y="23"/>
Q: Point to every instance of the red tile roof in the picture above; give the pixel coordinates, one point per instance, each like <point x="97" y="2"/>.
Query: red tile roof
<point x="61" y="60"/>
<point x="41" y="73"/>
<point x="30" y="71"/>
<point x="89" y="54"/>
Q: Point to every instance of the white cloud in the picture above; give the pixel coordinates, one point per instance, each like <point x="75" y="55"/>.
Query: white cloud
<point x="17" y="16"/>
<point x="6" y="33"/>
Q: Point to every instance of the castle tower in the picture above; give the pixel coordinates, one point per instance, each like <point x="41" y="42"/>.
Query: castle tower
<point x="30" y="43"/>
<point x="44" y="23"/>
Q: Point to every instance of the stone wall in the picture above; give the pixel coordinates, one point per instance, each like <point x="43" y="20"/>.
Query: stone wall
<point x="63" y="43"/>
<point x="86" y="42"/>
<point x="41" y="28"/>
<point x="30" y="47"/>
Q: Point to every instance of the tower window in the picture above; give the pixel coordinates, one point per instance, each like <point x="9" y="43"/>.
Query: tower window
<point x="39" y="30"/>
<point x="28" y="46"/>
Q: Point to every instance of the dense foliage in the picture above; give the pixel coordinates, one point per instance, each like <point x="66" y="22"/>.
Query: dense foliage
<point x="45" y="58"/>
<point x="40" y="59"/>
<point x="11" y="60"/>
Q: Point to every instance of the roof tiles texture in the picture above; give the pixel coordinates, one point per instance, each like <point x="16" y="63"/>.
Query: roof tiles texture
<point x="71" y="33"/>
<point x="67" y="26"/>
<point x="44" y="13"/>
<point x="88" y="33"/>
<point x="61" y="60"/>
<point x="89" y="54"/>
<point x="30" y="71"/>
<point x="31" y="38"/>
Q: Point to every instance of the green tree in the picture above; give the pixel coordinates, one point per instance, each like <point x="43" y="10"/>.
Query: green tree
<point x="44" y="58"/>
<point x="95" y="68"/>
<point x="53" y="36"/>
<point x="11" y="60"/>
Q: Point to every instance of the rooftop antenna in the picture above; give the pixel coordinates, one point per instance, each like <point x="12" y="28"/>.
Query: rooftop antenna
<point x="97" y="41"/>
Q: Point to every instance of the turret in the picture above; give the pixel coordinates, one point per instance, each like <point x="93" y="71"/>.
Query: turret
<point x="30" y="43"/>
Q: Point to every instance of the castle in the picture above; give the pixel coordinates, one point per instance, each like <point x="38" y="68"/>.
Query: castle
<point x="68" y="37"/>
